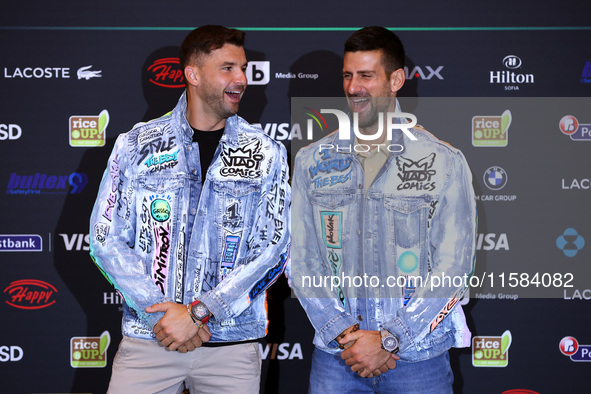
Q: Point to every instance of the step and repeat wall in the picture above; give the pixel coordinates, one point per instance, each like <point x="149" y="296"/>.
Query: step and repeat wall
<point x="513" y="98"/>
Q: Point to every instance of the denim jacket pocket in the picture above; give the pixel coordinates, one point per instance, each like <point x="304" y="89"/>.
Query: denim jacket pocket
<point x="160" y="184"/>
<point x="334" y="199"/>
<point x="235" y="204"/>
<point x="236" y="188"/>
<point x="407" y="219"/>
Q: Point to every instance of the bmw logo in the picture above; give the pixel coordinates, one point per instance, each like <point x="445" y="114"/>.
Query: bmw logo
<point x="495" y="178"/>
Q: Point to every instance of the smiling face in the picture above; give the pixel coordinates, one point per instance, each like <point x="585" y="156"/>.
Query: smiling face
<point x="368" y="88"/>
<point x="223" y="80"/>
<point x="215" y="85"/>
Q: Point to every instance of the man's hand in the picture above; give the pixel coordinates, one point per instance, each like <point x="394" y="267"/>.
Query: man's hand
<point x="192" y="343"/>
<point x="176" y="327"/>
<point x="366" y="356"/>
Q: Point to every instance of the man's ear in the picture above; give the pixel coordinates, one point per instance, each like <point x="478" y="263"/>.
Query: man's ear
<point x="192" y="75"/>
<point x="397" y="79"/>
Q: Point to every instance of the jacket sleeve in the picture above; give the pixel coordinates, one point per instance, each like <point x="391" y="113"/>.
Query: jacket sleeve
<point x="452" y="255"/>
<point x="267" y="256"/>
<point x="112" y="238"/>
<point x="321" y="301"/>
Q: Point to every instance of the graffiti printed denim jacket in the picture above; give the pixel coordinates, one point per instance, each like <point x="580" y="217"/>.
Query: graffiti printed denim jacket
<point x="158" y="235"/>
<point x="416" y="221"/>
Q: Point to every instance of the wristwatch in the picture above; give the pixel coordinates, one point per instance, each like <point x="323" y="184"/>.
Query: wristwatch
<point x="200" y="311"/>
<point x="389" y="341"/>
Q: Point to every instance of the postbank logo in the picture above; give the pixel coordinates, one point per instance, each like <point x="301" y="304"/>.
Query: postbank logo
<point x="89" y="352"/>
<point x="491" y="351"/>
<point x="569" y="125"/>
<point x="88" y="130"/>
<point x="491" y="131"/>
<point x="570" y="347"/>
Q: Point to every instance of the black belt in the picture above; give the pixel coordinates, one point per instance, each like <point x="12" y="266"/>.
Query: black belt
<point x="220" y="344"/>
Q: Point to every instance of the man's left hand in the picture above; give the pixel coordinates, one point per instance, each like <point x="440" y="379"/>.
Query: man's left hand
<point x="176" y="326"/>
<point x="366" y="355"/>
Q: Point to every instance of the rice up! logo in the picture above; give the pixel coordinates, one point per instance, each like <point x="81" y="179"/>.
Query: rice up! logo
<point x="89" y="352"/>
<point x="491" y="131"/>
<point x="88" y="130"/>
<point x="491" y="351"/>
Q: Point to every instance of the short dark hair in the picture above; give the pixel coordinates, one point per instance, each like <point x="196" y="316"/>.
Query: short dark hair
<point x="374" y="38"/>
<point x="205" y="39"/>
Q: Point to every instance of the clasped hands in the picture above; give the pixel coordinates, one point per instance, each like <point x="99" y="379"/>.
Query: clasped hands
<point x="364" y="354"/>
<point x="176" y="329"/>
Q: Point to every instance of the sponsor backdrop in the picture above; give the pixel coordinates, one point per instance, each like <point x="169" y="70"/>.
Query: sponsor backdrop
<point x="507" y="83"/>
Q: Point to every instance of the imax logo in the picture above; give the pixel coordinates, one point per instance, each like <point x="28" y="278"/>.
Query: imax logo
<point x="512" y="61"/>
<point x="418" y="72"/>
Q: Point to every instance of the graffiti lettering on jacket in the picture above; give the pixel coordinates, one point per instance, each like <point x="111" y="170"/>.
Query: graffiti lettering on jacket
<point x="180" y="262"/>
<point x="276" y="203"/>
<point x="156" y="146"/>
<point x="232" y="219"/>
<point x="416" y="175"/>
<point x="115" y="180"/>
<point x="144" y="234"/>
<point x="229" y="255"/>
<point x="244" y="161"/>
<point x="162" y="162"/>
<point x="261" y="285"/>
<point x="326" y="162"/>
<point x="147" y="135"/>
<point x="446" y="309"/>
<point x="101" y="230"/>
<point x="332" y="232"/>
<point x="335" y="261"/>
<point x="209" y="275"/>
<point x="160" y="268"/>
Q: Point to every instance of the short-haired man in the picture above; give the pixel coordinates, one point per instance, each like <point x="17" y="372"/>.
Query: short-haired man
<point x="191" y="226"/>
<point x="401" y="211"/>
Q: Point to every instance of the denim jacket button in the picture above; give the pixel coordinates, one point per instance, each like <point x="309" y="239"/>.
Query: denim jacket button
<point x="194" y="172"/>
<point x="360" y="318"/>
<point x="360" y="186"/>
<point x="189" y="147"/>
<point x="193" y="211"/>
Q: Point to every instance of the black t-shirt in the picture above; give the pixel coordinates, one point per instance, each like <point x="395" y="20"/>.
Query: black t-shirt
<point x="208" y="142"/>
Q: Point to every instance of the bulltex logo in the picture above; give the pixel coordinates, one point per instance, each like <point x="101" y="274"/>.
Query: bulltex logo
<point x="89" y="352"/>
<point x="491" y="351"/>
<point x="586" y="74"/>
<point x="88" y="130"/>
<point x="491" y="131"/>
<point x="46" y="184"/>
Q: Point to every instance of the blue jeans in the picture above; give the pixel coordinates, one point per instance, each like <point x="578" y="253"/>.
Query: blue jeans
<point x="331" y="375"/>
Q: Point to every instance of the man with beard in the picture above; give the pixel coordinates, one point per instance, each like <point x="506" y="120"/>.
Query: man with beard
<point x="191" y="227"/>
<point x="379" y="216"/>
